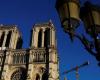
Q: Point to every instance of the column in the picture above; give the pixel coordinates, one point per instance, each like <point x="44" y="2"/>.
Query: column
<point x="0" y="38"/>
<point x="53" y="38"/>
<point x="5" y="38"/>
<point x="40" y="77"/>
<point x="36" y="38"/>
<point x="15" y="41"/>
<point x="43" y="37"/>
<point x="14" y="38"/>
<point x="11" y="41"/>
<point x="50" y="37"/>
<point x="10" y="58"/>
<point x="0" y="34"/>
<point x="32" y="41"/>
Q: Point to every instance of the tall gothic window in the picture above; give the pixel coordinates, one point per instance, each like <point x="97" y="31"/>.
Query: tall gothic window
<point x="8" y="39"/>
<point x="2" y="38"/>
<point x="40" y="39"/>
<point x="37" y="77"/>
<point x="18" y="75"/>
<point x="47" y="38"/>
<point x="19" y="43"/>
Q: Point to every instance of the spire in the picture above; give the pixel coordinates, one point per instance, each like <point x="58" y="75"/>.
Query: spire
<point x="50" y="22"/>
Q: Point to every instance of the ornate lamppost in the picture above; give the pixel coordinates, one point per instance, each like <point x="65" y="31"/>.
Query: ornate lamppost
<point x="71" y="14"/>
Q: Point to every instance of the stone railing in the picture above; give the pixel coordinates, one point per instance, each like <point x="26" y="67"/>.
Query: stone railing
<point x="18" y="56"/>
<point x="23" y="56"/>
<point x="38" y="56"/>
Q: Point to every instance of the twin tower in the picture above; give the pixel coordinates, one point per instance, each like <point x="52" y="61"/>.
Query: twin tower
<point x="39" y="62"/>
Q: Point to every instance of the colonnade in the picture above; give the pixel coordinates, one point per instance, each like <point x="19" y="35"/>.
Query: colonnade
<point x="44" y="37"/>
<point x="9" y="38"/>
<point x="5" y="38"/>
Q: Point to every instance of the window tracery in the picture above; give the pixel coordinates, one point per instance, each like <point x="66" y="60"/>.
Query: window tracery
<point x="18" y="75"/>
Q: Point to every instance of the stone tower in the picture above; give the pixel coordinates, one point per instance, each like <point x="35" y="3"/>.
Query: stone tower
<point x="39" y="62"/>
<point x="10" y="37"/>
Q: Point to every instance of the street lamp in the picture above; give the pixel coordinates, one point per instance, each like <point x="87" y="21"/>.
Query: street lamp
<point x="70" y="13"/>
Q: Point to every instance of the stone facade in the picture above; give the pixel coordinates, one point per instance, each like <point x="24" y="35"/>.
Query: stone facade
<point x="39" y="62"/>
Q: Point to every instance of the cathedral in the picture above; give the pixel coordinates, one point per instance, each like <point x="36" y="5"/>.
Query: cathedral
<point x="38" y="62"/>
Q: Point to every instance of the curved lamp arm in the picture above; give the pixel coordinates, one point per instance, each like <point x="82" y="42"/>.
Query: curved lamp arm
<point x="86" y="45"/>
<point x="84" y="41"/>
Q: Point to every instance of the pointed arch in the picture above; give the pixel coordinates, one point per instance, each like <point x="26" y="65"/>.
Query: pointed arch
<point x="19" y="74"/>
<point x="40" y="38"/>
<point x="37" y="77"/>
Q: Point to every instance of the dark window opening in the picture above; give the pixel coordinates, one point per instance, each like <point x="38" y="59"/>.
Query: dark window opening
<point x="31" y="37"/>
<point x="44" y="76"/>
<point x="2" y="39"/>
<point x="40" y="39"/>
<point x="8" y="39"/>
<point x="19" y="43"/>
<point x="47" y="38"/>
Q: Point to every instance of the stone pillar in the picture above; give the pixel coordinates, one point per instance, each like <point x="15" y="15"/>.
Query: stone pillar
<point x="16" y="38"/>
<point x="36" y="38"/>
<point x="0" y="38"/>
<point x="0" y="34"/>
<point x="40" y="77"/>
<point x="53" y="38"/>
<point x="5" y="38"/>
<point x="32" y="42"/>
<point x="50" y="37"/>
<point x="43" y="37"/>
<point x="13" y="41"/>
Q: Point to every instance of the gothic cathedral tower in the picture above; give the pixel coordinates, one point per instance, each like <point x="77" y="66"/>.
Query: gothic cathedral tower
<point x="39" y="62"/>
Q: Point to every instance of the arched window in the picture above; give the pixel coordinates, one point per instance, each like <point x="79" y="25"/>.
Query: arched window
<point x="2" y="38"/>
<point x="40" y="39"/>
<point x="8" y="39"/>
<point x="47" y="38"/>
<point x="19" y="75"/>
<point x="37" y="77"/>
